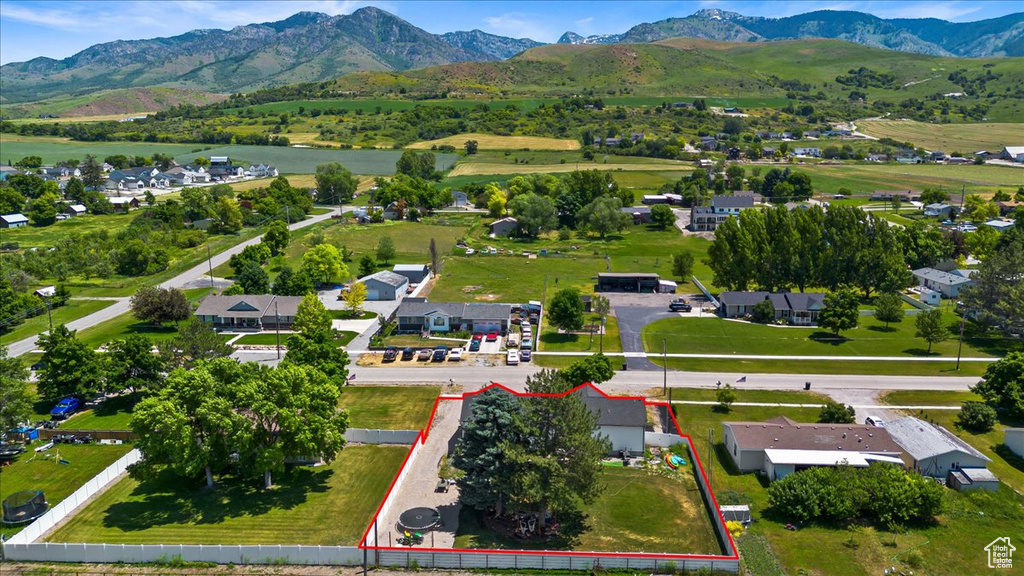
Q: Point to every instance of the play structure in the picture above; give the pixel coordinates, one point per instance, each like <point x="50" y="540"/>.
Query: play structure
<point x="24" y="506"/>
<point x="674" y="461"/>
<point x="414" y="522"/>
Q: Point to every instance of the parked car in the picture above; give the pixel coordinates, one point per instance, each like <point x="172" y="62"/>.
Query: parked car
<point x="474" y="345"/>
<point x="680" y="305"/>
<point x="874" y="421"/>
<point x="492" y="336"/>
<point x="37" y="366"/>
<point x="512" y="358"/>
<point x="478" y="336"/>
<point x="424" y="354"/>
<point x="455" y="355"/>
<point x="527" y="344"/>
<point x="440" y="353"/>
<point x="390" y="354"/>
<point x="65" y="408"/>
<point x="408" y="353"/>
<point x="470" y="251"/>
<point x="525" y="355"/>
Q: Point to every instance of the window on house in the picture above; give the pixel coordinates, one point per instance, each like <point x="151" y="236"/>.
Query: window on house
<point x="438" y="321"/>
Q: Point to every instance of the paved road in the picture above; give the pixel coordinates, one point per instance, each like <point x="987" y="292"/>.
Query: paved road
<point x="180" y="281"/>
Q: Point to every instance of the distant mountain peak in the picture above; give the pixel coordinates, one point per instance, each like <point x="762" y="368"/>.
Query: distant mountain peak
<point x="715" y="14"/>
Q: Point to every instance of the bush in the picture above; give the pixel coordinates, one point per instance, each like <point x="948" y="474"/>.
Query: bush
<point x="763" y="313"/>
<point x="976" y="417"/>
<point x="837" y="413"/>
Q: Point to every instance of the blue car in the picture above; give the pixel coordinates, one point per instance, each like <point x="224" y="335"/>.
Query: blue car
<point x="65" y="408"/>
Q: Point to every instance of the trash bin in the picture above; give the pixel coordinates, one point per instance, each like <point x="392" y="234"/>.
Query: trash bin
<point x="623" y="364"/>
<point x="807" y="385"/>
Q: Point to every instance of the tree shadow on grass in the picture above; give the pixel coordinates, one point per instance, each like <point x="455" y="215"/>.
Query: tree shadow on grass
<point x="828" y="338"/>
<point x="876" y="328"/>
<point x="168" y="499"/>
<point x="920" y="352"/>
<point x="145" y="328"/>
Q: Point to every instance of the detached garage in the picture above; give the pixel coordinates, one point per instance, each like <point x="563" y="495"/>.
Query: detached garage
<point x="385" y="285"/>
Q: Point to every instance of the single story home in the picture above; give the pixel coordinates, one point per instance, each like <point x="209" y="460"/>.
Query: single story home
<point x="46" y="292"/>
<point x="459" y="199"/>
<point x="972" y="479"/>
<point x="949" y="284"/>
<point x="416" y="273"/>
<point x="76" y="210"/>
<point x="904" y="195"/>
<point x="385" y="285"/>
<point x="1001" y="225"/>
<point x="1014" y="440"/>
<point x="640" y="214"/>
<point x="807" y="152"/>
<point x="124" y="204"/>
<point x="249" y="311"/>
<point x="647" y="282"/>
<point x="504" y="227"/>
<point x="622" y="421"/>
<point x="16" y="220"/>
<point x="1014" y="153"/>
<point x="419" y="315"/>
<point x="932" y="450"/>
<point x="782" y="446"/>
<point x="942" y="210"/>
<point x="797" y="308"/>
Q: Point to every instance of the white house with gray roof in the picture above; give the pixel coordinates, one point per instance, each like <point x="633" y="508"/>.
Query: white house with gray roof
<point x="723" y="207"/>
<point x="949" y="284"/>
<point x="419" y="315"/>
<point x="249" y="311"/>
<point x="932" y="450"/>
<point x="16" y="220"/>
<point x="796" y="308"/>
<point x="385" y="285"/>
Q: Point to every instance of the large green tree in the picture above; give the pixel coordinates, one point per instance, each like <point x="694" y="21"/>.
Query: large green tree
<point x="889" y="308"/>
<point x="15" y="393"/>
<point x="323" y="263"/>
<point x="662" y="216"/>
<point x="386" y="249"/>
<point x="335" y="184"/>
<point x="314" y="343"/>
<point x="254" y="279"/>
<point x="594" y="369"/>
<point x="480" y="453"/>
<point x="131" y="364"/>
<point x="416" y="164"/>
<point x="997" y="296"/>
<point x="931" y="327"/>
<point x="70" y="366"/>
<point x="604" y="215"/>
<point x="160" y="305"/>
<point x="535" y="214"/>
<point x="566" y="310"/>
<point x="196" y="341"/>
<point x="841" y="312"/>
<point x="1002" y="385"/>
<point x="276" y="237"/>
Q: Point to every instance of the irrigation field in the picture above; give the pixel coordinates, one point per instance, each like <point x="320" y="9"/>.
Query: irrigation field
<point x="492" y="142"/>
<point x="964" y="138"/>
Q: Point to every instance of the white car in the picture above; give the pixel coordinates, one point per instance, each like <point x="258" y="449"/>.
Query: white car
<point x="874" y="421"/>
<point x="512" y="359"/>
<point x="470" y="251"/>
<point x="455" y="355"/>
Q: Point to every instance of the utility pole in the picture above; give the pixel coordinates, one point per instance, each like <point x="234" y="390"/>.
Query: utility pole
<point x="277" y="328"/>
<point x="603" y="320"/>
<point x="664" y="363"/>
<point x="209" y="260"/>
<point x="960" y="345"/>
<point x="50" y="318"/>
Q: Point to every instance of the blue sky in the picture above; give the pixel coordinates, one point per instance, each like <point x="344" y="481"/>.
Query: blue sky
<point x="61" y="28"/>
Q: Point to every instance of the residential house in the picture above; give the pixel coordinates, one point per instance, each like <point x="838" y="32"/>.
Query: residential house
<point x="640" y="214"/>
<point x="262" y="171"/>
<point x="942" y="210"/>
<point x="796" y="308"/>
<point x="385" y="285"/>
<point x="225" y="171"/>
<point x="393" y="212"/>
<point x="124" y="183"/>
<point x="1001" y="225"/>
<point x="708" y="143"/>
<point x="16" y="220"/>
<point x="124" y="203"/>
<point x="877" y="158"/>
<point x="932" y="450"/>
<point x="46" y="292"/>
<point x="958" y="160"/>
<point x="608" y="142"/>
<point x="504" y="227"/>
<point x="1013" y="438"/>
<point x="649" y="199"/>
<point x="460" y="199"/>
<point x="416" y="273"/>
<point x="187" y="175"/>
<point x="419" y="315"/>
<point x="249" y="311"/>
<point x="1013" y="153"/>
<point x="768" y="152"/>
<point x="7" y="171"/>
<point x="1007" y="208"/>
<point x="622" y="421"/>
<point x="640" y="282"/>
<point x="781" y="446"/>
<point x="937" y="156"/>
<point x="807" y="152"/>
<point x="62" y="172"/>
<point x="705" y="163"/>
<point x="949" y="284"/>
<point x="707" y="218"/>
<point x="220" y="161"/>
<point x="904" y="195"/>
<point x="76" y="210"/>
<point x="686" y="105"/>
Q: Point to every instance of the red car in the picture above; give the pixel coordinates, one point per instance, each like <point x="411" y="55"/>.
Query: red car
<point x="478" y="336"/>
<point x="492" y="336"/>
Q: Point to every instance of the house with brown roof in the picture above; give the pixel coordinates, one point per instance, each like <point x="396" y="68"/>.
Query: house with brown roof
<point x="781" y="446"/>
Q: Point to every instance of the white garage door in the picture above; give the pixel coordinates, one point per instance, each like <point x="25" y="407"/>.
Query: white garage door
<point x="373" y="294"/>
<point x="486" y="326"/>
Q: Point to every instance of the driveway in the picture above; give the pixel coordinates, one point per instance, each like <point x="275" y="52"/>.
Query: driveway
<point x="633" y="312"/>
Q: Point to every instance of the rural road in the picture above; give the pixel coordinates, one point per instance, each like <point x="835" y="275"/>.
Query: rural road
<point x="180" y="281"/>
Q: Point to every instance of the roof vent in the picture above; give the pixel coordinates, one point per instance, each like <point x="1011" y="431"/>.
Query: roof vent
<point x="860" y="439"/>
<point x="871" y="435"/>
<point x="844" y="434"/>
<point x="776" y="439"/>
<point x="839" y="447"/>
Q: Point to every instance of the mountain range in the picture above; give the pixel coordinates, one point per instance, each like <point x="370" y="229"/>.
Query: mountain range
<point x="313" y="47"/>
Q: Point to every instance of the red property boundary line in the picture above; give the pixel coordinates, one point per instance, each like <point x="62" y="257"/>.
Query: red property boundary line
<point x="422" y="438"/>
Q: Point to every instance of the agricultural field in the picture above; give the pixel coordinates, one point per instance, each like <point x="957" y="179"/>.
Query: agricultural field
<point x="328" y="505"/>
<point x="867" y="178"/>
<point x="305" y="160"/>
<point x="44" y="236"/>
<point x="491" y="142"/>
<point x="41" y="471"/>
<point x="389" y="407"/>
<point x="963" y="138"/>
<point x="52" y="149"/>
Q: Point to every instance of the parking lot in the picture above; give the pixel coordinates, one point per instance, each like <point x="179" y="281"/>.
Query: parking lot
<point x="634" y="311"/>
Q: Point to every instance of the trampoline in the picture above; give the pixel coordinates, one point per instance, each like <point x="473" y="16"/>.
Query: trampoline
<point x="419" y="519"/>
<point x="24" y="506"/>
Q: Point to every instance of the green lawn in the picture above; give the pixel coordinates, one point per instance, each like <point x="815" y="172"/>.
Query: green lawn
<point x="329" y="505"/>
<point x="417" y="341"/>
<point x="73" y="310"/>
<point x="895" y="367"/>
<point x="773" y="396"/>
<point x="30" y="236"/>
<point x="928" y="398"/>
<point x="389" y="407"/>
<point x="114" y="414"/>
<point x="123" y="325"/>
<point x="717" y="336"/>
<point x="552" y="341"/>
<point x="32" y="471"/>
<point x="640" y="510"/>
<point x="951" y="545"/>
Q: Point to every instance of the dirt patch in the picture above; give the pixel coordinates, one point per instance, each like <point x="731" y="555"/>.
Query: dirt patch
<point x="468" y="289"/>
<point x="486" y="297"/>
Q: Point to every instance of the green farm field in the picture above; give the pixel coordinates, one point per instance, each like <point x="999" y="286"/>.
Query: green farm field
<point x="30" y="236"/>
<point x="328" y="505"/>
<point x="52" y="149"/>
<point x="964" y="138"/>
<point x="867" y="178"/>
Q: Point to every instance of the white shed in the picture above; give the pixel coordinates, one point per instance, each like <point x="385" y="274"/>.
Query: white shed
<point x="1014" y="440"/>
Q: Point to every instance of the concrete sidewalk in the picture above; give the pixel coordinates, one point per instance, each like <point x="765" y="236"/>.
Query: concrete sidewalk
<point x="785" y="405"/>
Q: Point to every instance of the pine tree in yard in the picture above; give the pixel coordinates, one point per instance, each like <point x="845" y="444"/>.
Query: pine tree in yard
<point x="480" y="451"/>
<point x="931" y="327"/>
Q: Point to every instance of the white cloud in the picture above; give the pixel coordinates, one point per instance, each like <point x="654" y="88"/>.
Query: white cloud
<point x="584" y="21"/>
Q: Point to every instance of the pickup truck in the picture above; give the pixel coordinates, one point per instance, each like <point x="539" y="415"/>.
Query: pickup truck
<point x="680" y="305"/>
<point x="65" y="408"/>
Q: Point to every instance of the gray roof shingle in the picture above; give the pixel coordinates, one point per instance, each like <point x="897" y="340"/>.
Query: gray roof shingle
<point x="467" y="311"/>
<point x="923" y="440"/>
<point x="387" y="277"/>
<point x="732" y="201"/>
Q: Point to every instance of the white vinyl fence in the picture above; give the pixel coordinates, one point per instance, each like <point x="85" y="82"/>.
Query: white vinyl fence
<point x="650" y="563"/>
<point x="371" y="536"/>
<point x="368" y="436"/>
<point x="138" y="553"/>
<point x="663" y="440"/>
<point x="54" y="515"/>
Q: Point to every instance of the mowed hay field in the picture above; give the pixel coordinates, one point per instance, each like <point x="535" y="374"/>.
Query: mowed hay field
<point x="965" y="138"/>
<point x="325" y="505"/>
<point x="491" y="142"/>
<point x="488" y="168"/>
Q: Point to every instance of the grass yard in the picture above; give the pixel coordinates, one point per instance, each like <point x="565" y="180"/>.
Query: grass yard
<point x="552" y="341"/>
<point x="123" y="325"/>
<point x="639" y="511"/>
<point x="867" y="178"/>
<point x="928" y="398"/>
<point x="895" y="367"/>
<point x="389" y="407"/>
<point x="490" y="168"/>
<point x="270" y="339"/>
<point x="32" y="471"/>
<point x="114" y="414"/>
<point x="964" y="138"/>
<point x="328" y="505"/>
<point x="73" y="310"/>
<point x="719" y="336"/>
<point x="492" y="142"/>
<point x="773" y="396"/>
<point x="29" y="236"/>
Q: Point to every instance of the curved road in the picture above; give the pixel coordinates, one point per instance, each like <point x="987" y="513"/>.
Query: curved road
<point x="180" y="281"/>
